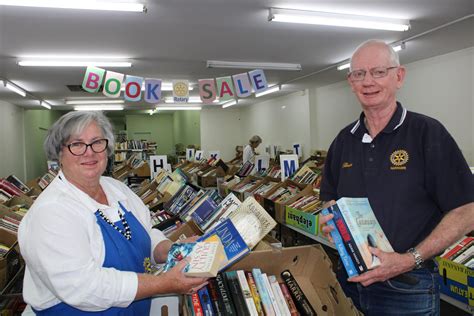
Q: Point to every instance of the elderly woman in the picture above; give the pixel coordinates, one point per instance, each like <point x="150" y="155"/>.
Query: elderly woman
<point x="86" y="237"/>
<point x="249" y="150"/>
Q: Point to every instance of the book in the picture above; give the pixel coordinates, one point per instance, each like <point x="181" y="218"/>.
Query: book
<point x="348" y="240"/>
<point x="252" y="221"/>
<point x="217" y="302"/>
<point x="224" y="295"/>
<point x="341" y="248"/>
<point x="466" y="254"/>
<point x="228" y="205"/>
<point x="254" y="291"/>
<point x="271" y="295"/>
<point x="197" y="307"/>
<point x="205" y="258"/>
<point x="364" y="228"/>
<point x="205" y="300"/>
<point x="244" y="286"/>
<point x="203" y="212"/>
<point x="238" y="298"/>
<point x="451" y="251"/>
<point x="280" y="299"/>
<point x="301" y="302"/>
<point x="262" y="290"/>
<point x="289" y="299"/>
<point x="18" y="183"/>
<point x="234" y="245"/>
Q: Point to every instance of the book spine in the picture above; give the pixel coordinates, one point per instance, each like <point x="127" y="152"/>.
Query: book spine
<point x="289" y="300"/>
<point x="224" y="295"/>
<point x="197" y="305"/>
<point x="450" y="254"/>
<point x="266" y="283"/>
<point x="465" y="255"/>
<point x="266" y="303"/>
<point x="255" y="295"/>
<point x="301" y="302"/>
<point x="217" y="303"/>
<point x="280" y="299"/>
<point x="244" y="286"/>
<point x="348" y="240"/>
<point x="341" y="248"/>
<point x="237" y="296"/>
<point x="205" y="301"/>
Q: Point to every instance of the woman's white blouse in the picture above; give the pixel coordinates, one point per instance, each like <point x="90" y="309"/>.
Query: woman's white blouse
<point x="64" y="250"/>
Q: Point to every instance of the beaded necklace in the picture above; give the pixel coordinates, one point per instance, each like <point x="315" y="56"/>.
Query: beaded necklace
<point x="126" y="232"/>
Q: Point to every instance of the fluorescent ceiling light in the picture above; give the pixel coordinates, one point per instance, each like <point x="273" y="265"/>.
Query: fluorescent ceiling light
<point x="15" y="88"/>
<point x="268" y="91"/>
<point x="84" y="5"/>
<point x="396" y="48"/>
<point x="174" y="108"/>
<point x="252" y="65"/>
<point x="73" y="63"/>
<point x="337" y="19"/>
<point x="95" y="101"/>
<point x="45" y="104"/>
<point x="165" y="86"/>
<point x="230" y="103"/>
<point x="98" y="108"/>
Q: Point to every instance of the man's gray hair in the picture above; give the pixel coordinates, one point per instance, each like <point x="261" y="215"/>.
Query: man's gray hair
<point x="74" y="123"/>
<point x="394" y="59"/>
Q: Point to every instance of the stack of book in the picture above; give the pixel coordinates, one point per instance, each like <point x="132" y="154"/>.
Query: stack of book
<point x="309" y="204"/>
<point x="250" y="293"/>
<point x="246" y="169"/>
<point x="274" y="172"/>
<point x="10" y="223"/>
<point x="284" y="193"/>
<point x="356" y="229"/>
<point x="461" y="252"/>
<point x="305" y="175"/>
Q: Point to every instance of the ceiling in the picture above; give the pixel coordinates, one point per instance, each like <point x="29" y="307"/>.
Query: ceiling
<point x="175" y="38"/>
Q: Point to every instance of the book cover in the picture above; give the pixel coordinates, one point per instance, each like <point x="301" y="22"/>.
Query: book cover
<point x="266" y="302"/>
<point x="232" y="281"/>
<point x="252" y="221"/>
<point x="280" y="299"/>
<point x="204" y="211"/>
<point x="244" y="286"/>
<point x="18" y="183"/>
<point x="364" y="228"/>
<point x="227" y="206"/>
<point x="233" y="243"/>
<point x="348" y="240"/>
<point x="341" y="248"/>
<point x="254" y="291"/>
<point x="205" y="300"/>
<point x="289" y="299"/>
<point x="217" y="303"/>
<point x="224" y="295"/>
<point x="301" y="302"/>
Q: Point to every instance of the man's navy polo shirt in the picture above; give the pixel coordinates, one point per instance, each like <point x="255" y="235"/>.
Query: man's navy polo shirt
<point x="412" y="172"/>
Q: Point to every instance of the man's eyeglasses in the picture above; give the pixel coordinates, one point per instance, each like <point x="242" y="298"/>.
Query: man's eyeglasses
<point x="80" y="148"/>
<point x="376" y="72"/>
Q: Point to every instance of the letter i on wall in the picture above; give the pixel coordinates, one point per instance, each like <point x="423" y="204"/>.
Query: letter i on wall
<point x="207" y="90"/>
<point x="112" y="84"/>
<point x="93" y="79"/>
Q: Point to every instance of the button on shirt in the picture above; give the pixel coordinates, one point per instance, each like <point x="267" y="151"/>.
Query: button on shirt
<point x="64" y="250"/>
<point x="412" y="172"/>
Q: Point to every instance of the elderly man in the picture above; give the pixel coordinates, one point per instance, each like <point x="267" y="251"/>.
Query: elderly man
<point x="417" y="182"/>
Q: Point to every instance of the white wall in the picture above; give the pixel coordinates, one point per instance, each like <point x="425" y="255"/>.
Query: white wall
<point x="12" y="142"/>
<point x="282" y="121"/>
<point x="221" y="130"/>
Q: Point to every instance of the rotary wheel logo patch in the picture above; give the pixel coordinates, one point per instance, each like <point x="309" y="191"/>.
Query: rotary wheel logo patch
<point x="399" y="158"/>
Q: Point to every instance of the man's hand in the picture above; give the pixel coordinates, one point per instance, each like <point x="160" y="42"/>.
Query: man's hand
<point x="391" y="265"/>
<point x="324" y="219"/>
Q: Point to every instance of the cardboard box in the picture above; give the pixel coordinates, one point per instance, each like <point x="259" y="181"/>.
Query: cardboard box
<point x="241" y="195"/>
<point x="11" y="262"/>
<point x="457" y="281"/>
<point x="302" y="220"/>
<point x="275" y="209"/>
<point x="186" y="230"/>
<point x="225" y="187"/>
<point x="268" y="243"/>
<point x="312" y="270"/>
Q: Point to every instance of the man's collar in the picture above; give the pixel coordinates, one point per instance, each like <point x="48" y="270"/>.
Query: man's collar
<point x="397" y="119"/>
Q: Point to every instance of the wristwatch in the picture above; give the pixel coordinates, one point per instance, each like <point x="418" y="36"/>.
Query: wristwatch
<point x="416" y="255"/>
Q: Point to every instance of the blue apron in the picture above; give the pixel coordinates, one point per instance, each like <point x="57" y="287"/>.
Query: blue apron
<point x="123" y="255"/>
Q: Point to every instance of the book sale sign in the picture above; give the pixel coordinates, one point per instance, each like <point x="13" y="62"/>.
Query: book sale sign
<point x="223" y="88"/>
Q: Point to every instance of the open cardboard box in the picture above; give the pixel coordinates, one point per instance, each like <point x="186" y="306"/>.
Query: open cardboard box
<point x="312" y="270"/>
<point x="10" y="262"/>
<point x="276" y="209"/>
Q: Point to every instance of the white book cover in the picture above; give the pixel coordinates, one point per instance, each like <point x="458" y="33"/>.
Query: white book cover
<point x="267" y="285"/>
<point x="246" y="293"/>
<point x="280" y="298"/>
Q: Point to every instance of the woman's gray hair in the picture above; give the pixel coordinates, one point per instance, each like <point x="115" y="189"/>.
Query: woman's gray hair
<point x="394" y="58"/>
<point x="255" y="139"/>
<point x="74" y="123"/>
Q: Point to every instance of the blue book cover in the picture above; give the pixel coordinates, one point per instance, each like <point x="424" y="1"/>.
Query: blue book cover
<point x="262" y="290"/>
<point x="234" y="245"/>
<point x="178" y="252"/>
<point x="205" y="300"/>
<point x="204" y="211"/>
<point x="341" y="249"/>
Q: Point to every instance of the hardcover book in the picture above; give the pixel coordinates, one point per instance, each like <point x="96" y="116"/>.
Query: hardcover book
<point x="236" y="292"/>
<point x="364" y="228"/>
<point x="224" y="295"/>
<point x="217" y="302"/>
